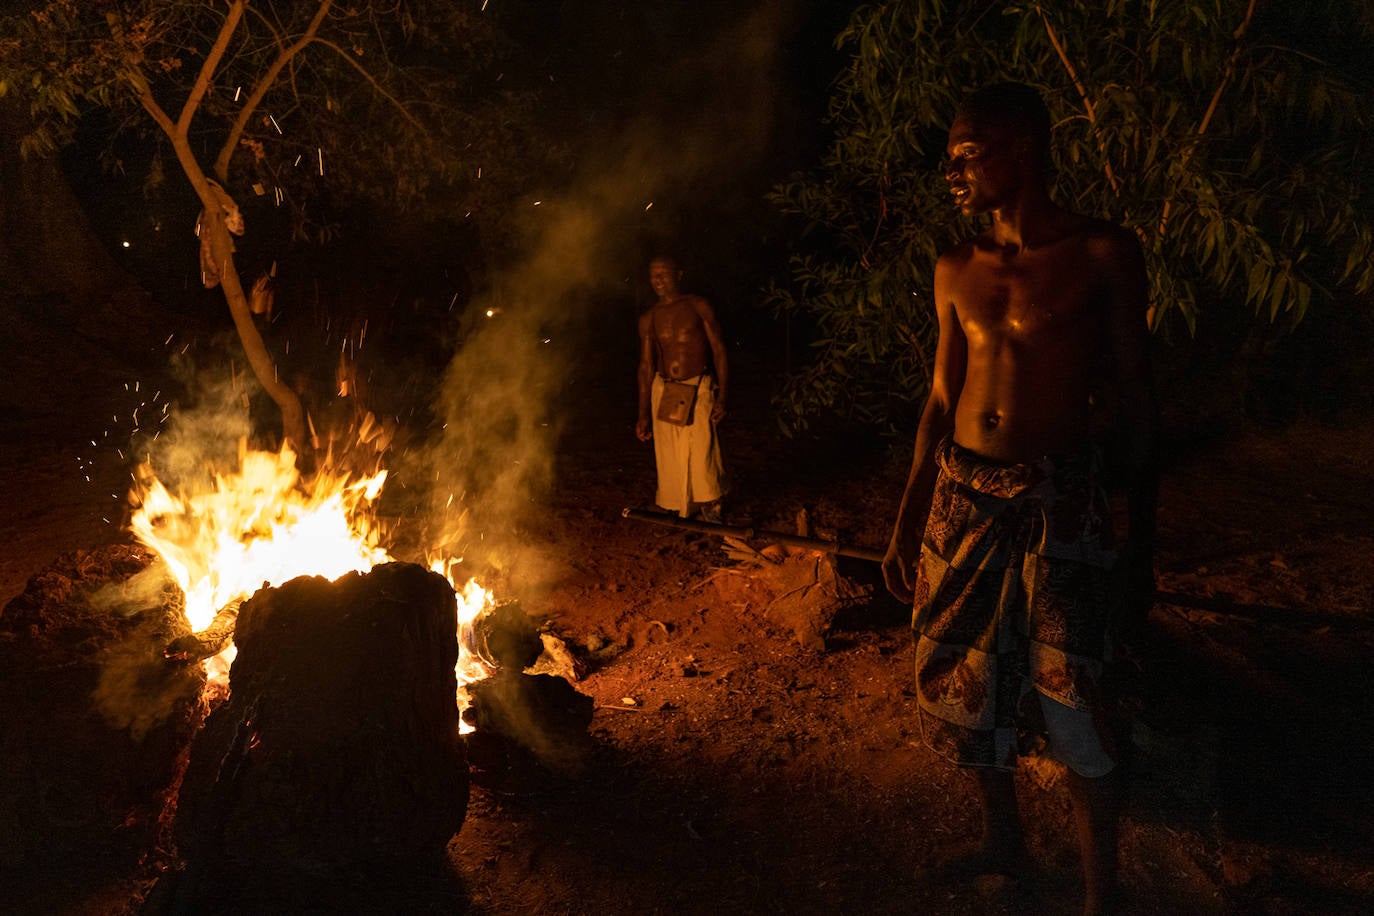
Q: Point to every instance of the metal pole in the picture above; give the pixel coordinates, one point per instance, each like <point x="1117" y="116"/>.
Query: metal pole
<point x="749" y="534"/>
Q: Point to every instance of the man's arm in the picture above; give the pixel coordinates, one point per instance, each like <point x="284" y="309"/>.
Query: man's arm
<point x="644" y="426"/>
<point x="716" y="338"/>
<point x="937" y="421"/>
<point x="1128" y="336"/>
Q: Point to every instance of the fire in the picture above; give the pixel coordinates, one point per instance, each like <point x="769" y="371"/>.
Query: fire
<point x="264" y="525"/>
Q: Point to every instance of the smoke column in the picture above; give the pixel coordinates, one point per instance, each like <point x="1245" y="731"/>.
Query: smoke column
<point x="704" y="115"/>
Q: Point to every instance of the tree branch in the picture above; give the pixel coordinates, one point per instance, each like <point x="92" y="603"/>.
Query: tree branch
<point x="376" y="86"/>
<point x="260" y="90"/>
<point x="207" y="67"/>
<point x="150" y="105"/>
<point x="1088" y="106"/>
<point x="1206" y="121"/>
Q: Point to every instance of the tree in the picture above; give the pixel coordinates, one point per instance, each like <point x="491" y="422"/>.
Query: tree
<point x="1226" y="133"/>
<point x="384" y="100"/>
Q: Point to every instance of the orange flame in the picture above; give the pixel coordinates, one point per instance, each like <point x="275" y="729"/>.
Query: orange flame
<point x="263" y="526"/>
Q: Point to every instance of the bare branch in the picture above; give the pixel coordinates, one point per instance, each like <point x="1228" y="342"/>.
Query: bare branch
<point x="1206" y="121"/>
<point x="207" y="68"/>
<point x="1088" y="107"/>
<point x="150" y="105"/>
<point x="264" y="84"/>
<point x="376" y="86"/>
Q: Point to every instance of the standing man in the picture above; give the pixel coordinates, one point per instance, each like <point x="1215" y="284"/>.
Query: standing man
<point x="680" y="399"/>
<point x="1003" y="539"/>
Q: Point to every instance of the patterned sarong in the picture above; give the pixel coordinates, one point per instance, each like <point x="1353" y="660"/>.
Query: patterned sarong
<point x="1012" y="597"/>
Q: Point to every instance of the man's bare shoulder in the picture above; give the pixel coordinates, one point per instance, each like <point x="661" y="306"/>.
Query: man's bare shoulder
<point x="699" y="305"/>
<point x="1120" y="260"/>
<point x="954" y="260"/>
<point x="1107" y="240"/>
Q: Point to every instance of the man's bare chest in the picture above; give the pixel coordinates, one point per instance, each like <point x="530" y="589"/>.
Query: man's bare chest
<point x="1026" y="303"/>
<point x="676" y="322"/>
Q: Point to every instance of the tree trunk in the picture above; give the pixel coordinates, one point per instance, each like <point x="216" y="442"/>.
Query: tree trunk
<point x="48" y="249"/>
<point x="259" y="357"/>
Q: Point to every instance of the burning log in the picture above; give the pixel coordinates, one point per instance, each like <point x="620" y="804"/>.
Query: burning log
<point x="516" y="713"/>
<point x="337" y="750"/>
<point x="209" y="642"/>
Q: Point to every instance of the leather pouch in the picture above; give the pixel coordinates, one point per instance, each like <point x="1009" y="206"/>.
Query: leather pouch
<point x="678" y="404"/>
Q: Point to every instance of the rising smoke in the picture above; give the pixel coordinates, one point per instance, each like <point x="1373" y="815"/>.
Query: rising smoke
<point x="704" y="115"/>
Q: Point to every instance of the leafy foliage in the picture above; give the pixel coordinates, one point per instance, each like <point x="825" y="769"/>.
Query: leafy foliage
<point x="381" y="100"/>
<point x="395" y="102"/>
<point x="1234" y="152"/>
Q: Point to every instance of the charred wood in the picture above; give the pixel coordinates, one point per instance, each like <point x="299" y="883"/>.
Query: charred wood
<point x="338" y="747"/>
<point x="209" y="642"/>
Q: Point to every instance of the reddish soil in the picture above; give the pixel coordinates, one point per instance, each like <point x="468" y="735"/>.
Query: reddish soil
<point x="737" y="771"/>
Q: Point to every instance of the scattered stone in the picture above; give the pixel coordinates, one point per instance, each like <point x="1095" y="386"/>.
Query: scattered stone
<point x="558" y="660"/>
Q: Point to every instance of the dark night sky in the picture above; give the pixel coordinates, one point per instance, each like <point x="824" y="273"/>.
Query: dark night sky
<point x="727" y="96"/>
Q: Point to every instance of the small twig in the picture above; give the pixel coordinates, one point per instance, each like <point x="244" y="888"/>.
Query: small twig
<point x="1206" y="121"/>
<point x="1088" y="106"/>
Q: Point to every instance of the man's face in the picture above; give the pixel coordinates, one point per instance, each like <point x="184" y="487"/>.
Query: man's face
<point x="985" y="164"/>
<point x="663" y="277"/>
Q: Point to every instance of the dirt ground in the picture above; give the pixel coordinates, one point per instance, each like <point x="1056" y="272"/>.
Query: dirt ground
<point x="737" y="770"/>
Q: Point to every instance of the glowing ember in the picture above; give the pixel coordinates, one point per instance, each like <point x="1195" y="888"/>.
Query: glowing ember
<point x="264" y="526"/>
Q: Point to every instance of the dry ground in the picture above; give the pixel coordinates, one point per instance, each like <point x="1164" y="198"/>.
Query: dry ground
<point x="737" y="771"/>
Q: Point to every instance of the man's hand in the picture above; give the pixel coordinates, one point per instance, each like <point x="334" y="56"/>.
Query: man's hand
<point x="899" y="571"/>
<point x="717" y="411"/>
<point x="644" y="429"/>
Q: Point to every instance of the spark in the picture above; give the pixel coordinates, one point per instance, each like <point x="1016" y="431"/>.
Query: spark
<point x="169" y="338"/>
<point x="275" y="124"/>
<point x="237" y="91"/>
<point x="649" y="207"/>
<point x="320" y="153"/>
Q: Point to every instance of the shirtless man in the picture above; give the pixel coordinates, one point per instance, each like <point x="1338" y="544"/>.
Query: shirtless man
<point x="1003" y="538"/>
<point x="680" y="341"/>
